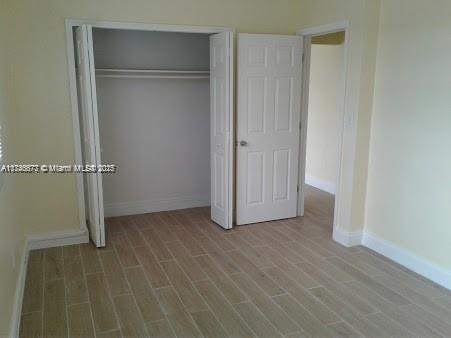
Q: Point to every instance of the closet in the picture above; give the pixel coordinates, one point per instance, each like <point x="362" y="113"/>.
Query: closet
<point x="157" y="104"/>
<point x="153" y="98"/>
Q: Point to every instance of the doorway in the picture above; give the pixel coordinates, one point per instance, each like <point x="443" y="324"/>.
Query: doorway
<point x="323" y="121"/>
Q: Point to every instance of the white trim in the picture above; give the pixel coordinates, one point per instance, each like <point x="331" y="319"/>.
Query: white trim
<point x="231" y="132"/>
<point x="18" y="296"/>
<point x="56" y="239"/>
<point x="397" y="254"/>
<point x="407" y="259"/>
<point x="307" y="41"/>
<point x="155" y="205"/>
<point x="324" y="29"/>
<point x="49" y="240"/>
<point x="348" y="239"/>
<point x="343" y="186"/>
<point x="320" y="184"/>
<point x="75" y="123"/>
<point x="149" y="26"/>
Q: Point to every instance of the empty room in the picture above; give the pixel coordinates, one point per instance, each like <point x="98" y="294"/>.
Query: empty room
<point x="249" y="168"/>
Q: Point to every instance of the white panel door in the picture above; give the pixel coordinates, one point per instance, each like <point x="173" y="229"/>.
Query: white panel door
<point x="269" y="95"/>
<point x="221" y="122"/>
<point x="90" y="134"/>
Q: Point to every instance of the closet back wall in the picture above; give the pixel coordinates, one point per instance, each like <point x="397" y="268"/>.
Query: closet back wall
<point x="157" y="131"/>
<point x="117" y="48"/>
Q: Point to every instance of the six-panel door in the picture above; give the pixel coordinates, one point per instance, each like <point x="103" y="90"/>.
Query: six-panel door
<point x="269" y="92"/>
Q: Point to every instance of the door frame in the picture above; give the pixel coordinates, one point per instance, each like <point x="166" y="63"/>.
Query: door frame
<point x="70" y="24"/>
<point x="347" y="138"/>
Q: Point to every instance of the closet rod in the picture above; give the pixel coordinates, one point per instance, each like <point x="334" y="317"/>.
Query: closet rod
<point x="152" y="73"/>
<point x="132" y="70"/>
<point x="186" y="77"/>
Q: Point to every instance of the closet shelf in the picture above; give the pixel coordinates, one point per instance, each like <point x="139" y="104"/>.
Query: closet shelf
<point x="152" y="73"/>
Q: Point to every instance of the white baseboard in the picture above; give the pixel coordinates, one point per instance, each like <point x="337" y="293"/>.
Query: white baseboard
<point x="49" y="240"/>
<point x="155" y="205"/>
<point x="55" y="239"/>
<point x="408" y="259"/>
<point x="18" y="296"/>
<point x="347" y="239"/>
<point x="399" y="255"/>
<point x="320" y="184"/>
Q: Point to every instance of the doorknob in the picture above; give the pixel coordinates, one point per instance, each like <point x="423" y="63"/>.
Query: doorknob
<point x="243" y="143"/>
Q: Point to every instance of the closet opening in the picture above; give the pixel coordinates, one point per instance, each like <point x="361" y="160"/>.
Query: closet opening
<point x="158" y="106"/>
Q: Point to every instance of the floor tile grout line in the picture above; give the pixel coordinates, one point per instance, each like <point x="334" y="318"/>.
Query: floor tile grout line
<point x="130" y="289"/>
<point x="157" y="298"/>
<point x="248" y="299"/>
<point x="178" y="297"/>
<point x="220" y="291"/>
<point x="203" y="298"/>
<point x="229" y="303"/>
<point x="66" y="303"/>
<point x="109" y="293"/>
<point x="44" y="262"/>
<point x="317" y="299"/>
<point x="85" y="279"/>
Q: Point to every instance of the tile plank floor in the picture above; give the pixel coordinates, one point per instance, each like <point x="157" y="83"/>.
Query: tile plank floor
<point x="176" y="274"/>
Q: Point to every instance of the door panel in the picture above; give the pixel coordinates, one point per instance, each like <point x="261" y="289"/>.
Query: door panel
<point x="256" y="104"/>
<point x="90" y="134"/>
<point x="221" y="128"/>
<point x="281" y="174"/>
<point x="269" y="94"/>
<point x="255" y="177"/>
<point x="283" y="104"/>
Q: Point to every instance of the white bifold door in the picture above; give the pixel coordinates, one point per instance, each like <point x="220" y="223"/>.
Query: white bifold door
<point x="221" y="128"/>
<point x="89" y="125"/>
<point x="269" y="97"/>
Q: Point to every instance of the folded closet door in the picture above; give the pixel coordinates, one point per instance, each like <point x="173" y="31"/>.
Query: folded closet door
<point x="221" y="147"/>
<point x="269" y="96"/>
<point x="90" y="134"/>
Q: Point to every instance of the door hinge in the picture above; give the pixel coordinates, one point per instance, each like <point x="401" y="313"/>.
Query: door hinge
<point x="303" y="57"/>
<point x="298" y="188"/>
<point x="300" y="125"/>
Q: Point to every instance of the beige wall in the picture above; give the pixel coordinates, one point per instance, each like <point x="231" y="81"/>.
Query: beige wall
<point x="41" y="82"/>
<point x="408" y="196"/>
<point x="42" y="116"/>
<point x="409" y="191"/>
<point x="11" y="234"/>
<point x="325" y="114"/>
<point x="362" y="16"/>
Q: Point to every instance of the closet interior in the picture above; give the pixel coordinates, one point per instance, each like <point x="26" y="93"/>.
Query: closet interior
<point x="153" y="101"/>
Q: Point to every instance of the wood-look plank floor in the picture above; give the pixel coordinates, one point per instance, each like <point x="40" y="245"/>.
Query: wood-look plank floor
<point x="176" y="274"/>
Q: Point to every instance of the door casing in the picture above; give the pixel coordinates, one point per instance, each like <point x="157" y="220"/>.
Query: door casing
<point x="348" y="136"/>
